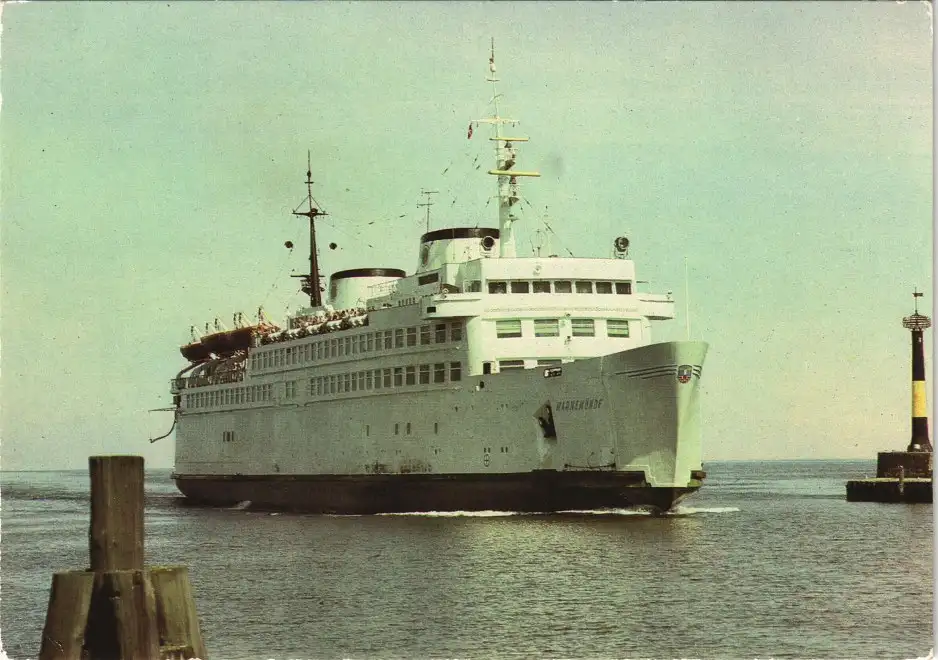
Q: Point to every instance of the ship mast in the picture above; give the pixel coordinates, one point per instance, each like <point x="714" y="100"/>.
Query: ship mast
<point x="311" y="285"/>
<point x="505" y="154"/>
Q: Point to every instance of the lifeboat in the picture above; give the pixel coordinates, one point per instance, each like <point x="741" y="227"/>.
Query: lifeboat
<point x="224" y="343"/>
<point x="195" y="352"/>
<point x="229" y="341"/>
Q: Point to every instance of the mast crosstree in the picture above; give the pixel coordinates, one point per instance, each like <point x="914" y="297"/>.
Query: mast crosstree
<point x="311" y="284"/>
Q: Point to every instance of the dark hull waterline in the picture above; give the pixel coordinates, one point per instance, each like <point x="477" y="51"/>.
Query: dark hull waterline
<point x="540" y="491"/>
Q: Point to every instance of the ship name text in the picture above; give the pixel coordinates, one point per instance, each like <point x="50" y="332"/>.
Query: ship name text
<point x="579" y="404"/>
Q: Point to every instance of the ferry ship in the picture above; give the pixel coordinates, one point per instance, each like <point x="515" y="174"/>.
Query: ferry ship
<point x="484" y="380"/>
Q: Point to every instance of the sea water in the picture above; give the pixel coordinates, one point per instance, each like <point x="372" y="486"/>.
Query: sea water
<point x="768" y="560"/>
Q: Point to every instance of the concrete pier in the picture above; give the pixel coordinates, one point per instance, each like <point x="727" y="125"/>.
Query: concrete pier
<point x="901" y="476"/>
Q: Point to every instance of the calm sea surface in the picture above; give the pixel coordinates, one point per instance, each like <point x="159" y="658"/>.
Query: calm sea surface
<point x="768" y="560"/>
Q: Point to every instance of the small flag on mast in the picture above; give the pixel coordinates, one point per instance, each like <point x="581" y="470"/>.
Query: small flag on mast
<point x="469" y="136"/>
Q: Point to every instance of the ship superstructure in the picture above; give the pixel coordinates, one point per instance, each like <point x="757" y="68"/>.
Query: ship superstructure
<point x="483" y="380"/>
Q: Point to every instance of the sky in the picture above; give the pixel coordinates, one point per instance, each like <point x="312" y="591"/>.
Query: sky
<point x="151" y="155"/>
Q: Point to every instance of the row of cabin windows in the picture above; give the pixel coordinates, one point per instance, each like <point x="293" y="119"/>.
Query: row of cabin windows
<point x="559" y="286"/>
<point x="359" y="381"/>
<point x="512" y="329"/>
<point x="377" y="379"/>
<point x="230" y="397"/>
<point x="335" y="347"/>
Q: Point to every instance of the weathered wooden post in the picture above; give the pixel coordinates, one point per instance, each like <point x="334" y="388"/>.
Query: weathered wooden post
<point x="116" y="532"/>
<point x="119" y="610"/>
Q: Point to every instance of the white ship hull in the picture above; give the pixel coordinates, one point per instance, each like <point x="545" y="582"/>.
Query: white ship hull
<point x="624" y="432"/>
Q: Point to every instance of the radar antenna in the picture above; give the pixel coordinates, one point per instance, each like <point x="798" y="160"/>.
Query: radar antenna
<point x="427" y="203"/>
<point x="311" y="281"/>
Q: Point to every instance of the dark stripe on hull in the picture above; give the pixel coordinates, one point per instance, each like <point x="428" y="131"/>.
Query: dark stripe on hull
<point x="541" y="491"/>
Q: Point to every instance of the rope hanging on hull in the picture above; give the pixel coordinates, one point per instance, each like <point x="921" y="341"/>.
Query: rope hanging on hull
<point x="152" y="440"/>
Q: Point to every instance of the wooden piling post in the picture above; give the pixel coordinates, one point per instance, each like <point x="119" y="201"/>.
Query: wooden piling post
<point x="119" y="610"/>
<point x="122" y="621"/>
<point x="176" y="613"/>
<point x="69" y="600"/>
<point x="116" y="533"/>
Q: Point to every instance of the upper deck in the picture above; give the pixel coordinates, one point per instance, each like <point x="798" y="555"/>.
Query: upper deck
<point x="530" y="285"/>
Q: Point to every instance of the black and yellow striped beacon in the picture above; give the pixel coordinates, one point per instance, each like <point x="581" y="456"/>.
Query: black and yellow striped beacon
<point x="918" y="323"/>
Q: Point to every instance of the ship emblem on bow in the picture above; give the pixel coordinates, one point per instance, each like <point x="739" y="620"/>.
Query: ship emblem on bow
<point x="684" y="373"/>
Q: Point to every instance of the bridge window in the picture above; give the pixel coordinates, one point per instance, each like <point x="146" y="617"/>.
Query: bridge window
<point x="440" y="333"/>
<point x="603" y="287"/>
<point x="508" y="328"/>
<point x="388" y="340"/>
<point x="583" y="328"/>
<point x="546" y="328"/>
<point x="563" y="286"/>
<point x="455" y="331"/>
<point x="498" y="287"/>
<point x="508" y="365"/>
<point x="623" y="288"/>
<point x="424" y="335"/>
<point x="541" y="286"/>
<point x="411" y="336"/>
<point x="474" y="286"/>
<point x="399" y="338"/>
<point x="584" y="287"/>
<point x="520" y="287"/>
<point x="617" y="328"/>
